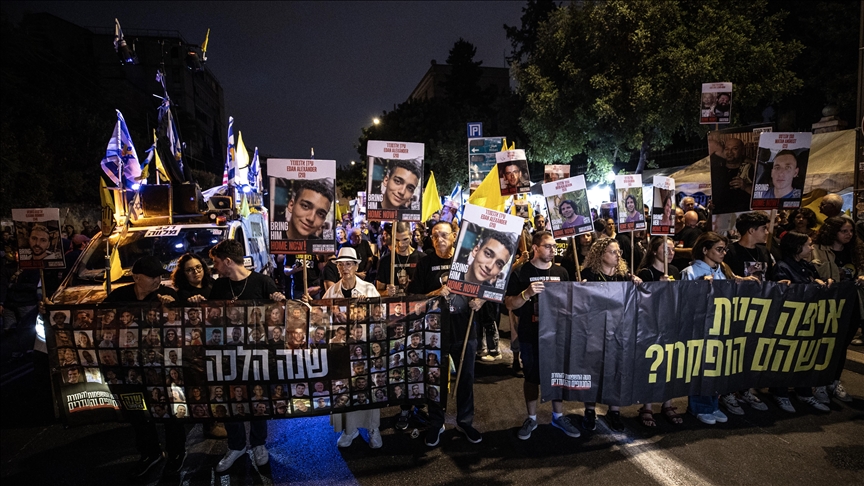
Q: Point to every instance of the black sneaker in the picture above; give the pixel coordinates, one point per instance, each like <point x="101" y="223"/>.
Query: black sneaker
<point x="146" y="463"/>
<point x="470" y="433"/>
<point x="613" y="418"/>
<point x="433" y="436"/>
<point x="402" y="420"/>
<point x="175" y="463"/>
<point x="590" y="420"/>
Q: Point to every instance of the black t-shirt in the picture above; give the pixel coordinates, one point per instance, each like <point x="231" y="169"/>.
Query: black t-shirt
<point x="185" y="294"/>
<point x="529" y="313"/>
<point x="651" y="274"/>
<point x="428" y="274"/>
<point x="364" y="254"/>
<point x="331" y="272"/>
<point x="313" y="274"/>
<point x="591" y="276"/>
<point x="406" y="268"/>
<point x="745" y="262"/>
<point x="127" y="294"/>
<point x="688" y="236"/>
<point x="253" y="287"/>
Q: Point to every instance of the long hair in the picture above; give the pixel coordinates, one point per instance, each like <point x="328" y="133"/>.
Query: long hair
<point x="792" y="243"/>
<point x="827" y="235"/>
<point x="651" y="253"/>
<point x="594" y="259"/>
<point x="705" y="242"/>
<point x="179" y="279"/>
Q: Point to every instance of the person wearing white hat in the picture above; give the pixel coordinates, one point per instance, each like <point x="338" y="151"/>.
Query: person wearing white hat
<point x="351" y="287"/>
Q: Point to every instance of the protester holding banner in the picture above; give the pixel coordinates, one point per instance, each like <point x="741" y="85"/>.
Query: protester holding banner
<point x="348" y="287"/>
<point x="526" y="283"/>
<point x="227" y="258"/>
<point x="192" y="278"/>
<point x="795" y="269"/>
<point x="405" y="265"/>
<point x="147" y="274"/>
<point x="708" y="253"/>
<point x="605" y="263"/>
<point x="431" y="280"/>
<point x="839" y="255"/>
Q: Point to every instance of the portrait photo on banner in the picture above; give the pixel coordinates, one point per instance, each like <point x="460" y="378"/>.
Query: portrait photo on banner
<point x="663" y="210"/>
<point x="716" y="105"/>
<point x="567" y="204"/>
<point x="37" y="232"/>
<point x="513" y="173"/>
<point x="302" y="205"/>
<point x="484" y="253"/>
<point x="395" y="181"/>
<point x="731" y="156"/>
<point x="781" y="167"/>
<point x="631" y="215"/>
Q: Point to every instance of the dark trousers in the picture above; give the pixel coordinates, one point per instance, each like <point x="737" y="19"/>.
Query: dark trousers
<point x="147" y="437"/>
<point x="237" y="434"/>
<point x="464" y="389"/>
<point x="783" y="391"/>
<point x="840" y="354"/>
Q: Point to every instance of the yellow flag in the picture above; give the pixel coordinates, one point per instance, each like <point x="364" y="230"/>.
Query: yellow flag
<point x="488" y="194"/>
<point x="431" y="199"/>
<point x="244" y="207"/>
<point x="338" y="213"/>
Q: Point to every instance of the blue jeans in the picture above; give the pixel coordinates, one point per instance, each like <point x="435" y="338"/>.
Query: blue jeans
<point x="699" y="404"/>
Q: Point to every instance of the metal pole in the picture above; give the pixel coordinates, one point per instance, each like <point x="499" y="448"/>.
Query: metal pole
<point x="393" y="254"/>
<point x="107" y="266"/>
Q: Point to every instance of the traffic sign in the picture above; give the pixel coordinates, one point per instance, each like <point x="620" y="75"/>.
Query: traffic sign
<point x="475" y="129"/>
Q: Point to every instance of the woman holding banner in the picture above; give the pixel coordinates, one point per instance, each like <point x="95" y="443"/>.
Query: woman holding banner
<point x="604" y="264"/>
<point x="655" y="267"/>
<point x="708" y="253"/>
<point x="349" y="286"/>
<point x="795" y="269"/>
<point x="192" y="278"/>
<point x="839" y="255"/>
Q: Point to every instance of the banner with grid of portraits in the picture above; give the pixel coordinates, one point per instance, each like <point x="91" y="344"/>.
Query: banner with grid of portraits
<point x="247" y="359"/>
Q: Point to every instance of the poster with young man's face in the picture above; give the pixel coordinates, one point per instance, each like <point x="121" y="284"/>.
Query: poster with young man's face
<point x="484" y="252"/>
<point x="567" y="202"/>
<point x="631" y="216"/>
<point x="513" y="172"/>
<point x="302" y="205"/>
<point x="663" y="212"/>
<point x="716" y="103"/>
<point x="781" y="167"/>
<point x="395" y="181"/>
<point x="38" y="235"/>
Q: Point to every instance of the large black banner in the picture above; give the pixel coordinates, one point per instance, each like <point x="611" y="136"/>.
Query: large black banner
<point x="618" y="344"/>
<point x="247" y="359"/>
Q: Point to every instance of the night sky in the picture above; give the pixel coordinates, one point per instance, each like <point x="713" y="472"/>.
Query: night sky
<point x="310" y="74"/>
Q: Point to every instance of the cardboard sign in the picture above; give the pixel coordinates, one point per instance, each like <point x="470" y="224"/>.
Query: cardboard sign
<point x="302" y="205"/>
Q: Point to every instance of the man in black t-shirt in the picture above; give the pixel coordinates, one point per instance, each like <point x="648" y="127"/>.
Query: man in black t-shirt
<point x="364" y="252"/>
<point x="522" y="290"/>
<point x="238" y="283"/>
<point x="294" y="271"/>
<point x="406" y="263"/>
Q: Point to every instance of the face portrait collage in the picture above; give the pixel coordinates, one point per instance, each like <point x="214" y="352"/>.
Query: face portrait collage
<point x="377" y="355"/>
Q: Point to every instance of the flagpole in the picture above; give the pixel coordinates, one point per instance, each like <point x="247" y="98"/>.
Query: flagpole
<point x="305" y="287"/>
<point x="464" y="346"/>
<point x="632" y="247"/>
<point x="107" y="266"/>
<point x="574" y="242"/>
<point x="393" y="254"/>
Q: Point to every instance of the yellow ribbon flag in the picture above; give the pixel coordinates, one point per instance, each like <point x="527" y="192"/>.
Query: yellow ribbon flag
<point x="116" y="268"/>
<point x="244" y="207"/>
<point x="431" y="199"/>
<point x="488" y="193"/>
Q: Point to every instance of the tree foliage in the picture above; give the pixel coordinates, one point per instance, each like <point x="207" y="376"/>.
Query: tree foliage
<point x="610" y="77"/>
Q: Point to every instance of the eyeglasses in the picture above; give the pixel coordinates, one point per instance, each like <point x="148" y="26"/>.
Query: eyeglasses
<point x="721" y="249"/>
<point x="195" y="269"/>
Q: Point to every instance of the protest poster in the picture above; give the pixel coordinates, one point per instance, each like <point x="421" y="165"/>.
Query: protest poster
<point x="246" y="359"/>
<point x="610" y="343"/>
<point x="663" y="212"/>
<point x="37" y="232"/>
<point x="630" y="213"/>
<point x="716" y="104"/>
<point x="552" y="173"/>
<point x="481" y="159"/>
<point x="484" y="253"/>
<point x="302" y="205"/>
<point x="395" y="181"/>
<point x="731" y="157"/>
<point x="567" y="203"/>
<point x="781" y="167"/>
<point x="450" y="210"/>
<point x="513" y="172"/>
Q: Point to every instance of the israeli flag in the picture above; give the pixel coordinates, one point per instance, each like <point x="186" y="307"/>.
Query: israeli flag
<point x="231" y="161"/>
<point x="121" y="163"/>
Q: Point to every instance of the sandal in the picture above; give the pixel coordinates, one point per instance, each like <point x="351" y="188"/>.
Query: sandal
<point x="647" y="417"/>
<point x="672" y="415"/>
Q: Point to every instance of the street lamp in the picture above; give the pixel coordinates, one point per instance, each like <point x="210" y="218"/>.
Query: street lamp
<point x="376" y="121"/>
<point x="352" y="162"/>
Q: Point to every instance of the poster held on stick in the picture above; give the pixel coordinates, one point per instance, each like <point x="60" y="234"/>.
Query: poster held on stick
<point x="38" y="235"/>
<point x="629" y="190"/>
<point x="513" y="172"/>
<point x="302" y="206"/>
<point x="395" y="181"/>
<point x="663" y="212"/>
<point x="781" y="168"/>
<point x="567" y="202"/>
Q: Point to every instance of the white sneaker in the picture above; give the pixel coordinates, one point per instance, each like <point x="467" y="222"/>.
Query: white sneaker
<point x="375" y="439"/>
<point x="730" y="402"/>
<point x="489" y="358"/>
<point x="706" y="418"/>
<point x="261" y="455"/>
<point x="345" y="440"/>
<point x="720" y="416"/>
<point x="821" y="395"/>
<point x="839" y="392"/>
<point x="751" y="399"/>
<point x="815" y="404"/>
<point x="229" y="459"/>
<point x="785" y="404"/>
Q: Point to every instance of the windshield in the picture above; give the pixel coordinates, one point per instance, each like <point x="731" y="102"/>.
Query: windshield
<point x="135" y="244"/>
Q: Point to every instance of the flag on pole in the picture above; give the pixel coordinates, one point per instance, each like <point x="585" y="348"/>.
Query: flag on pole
<point x="229" y="160"/>
<point x="244" y="207"/>
<point x="456" y="193"/>
<point x="431" y="199"/>
<point x="168" y="144"/>
<point x="153" y="156"/>
<point x="121" y="163"/>
<point x="488" y="193"/>
<point x="241" y="174"/>
<point x="116" y="268"/>
<point x="255" y="178"/>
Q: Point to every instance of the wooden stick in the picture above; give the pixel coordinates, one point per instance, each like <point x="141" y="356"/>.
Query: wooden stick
<point x="393" y="254"/>
<point x="575" y="241"/>
<point x="464" y="346"/>
<point x="305" y="286"/>
<point x="771" y="229"/>
<point x="632" y="248"/>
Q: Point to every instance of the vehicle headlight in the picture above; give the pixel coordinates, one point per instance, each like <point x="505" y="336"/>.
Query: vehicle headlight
<point x="40" y="327"/>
